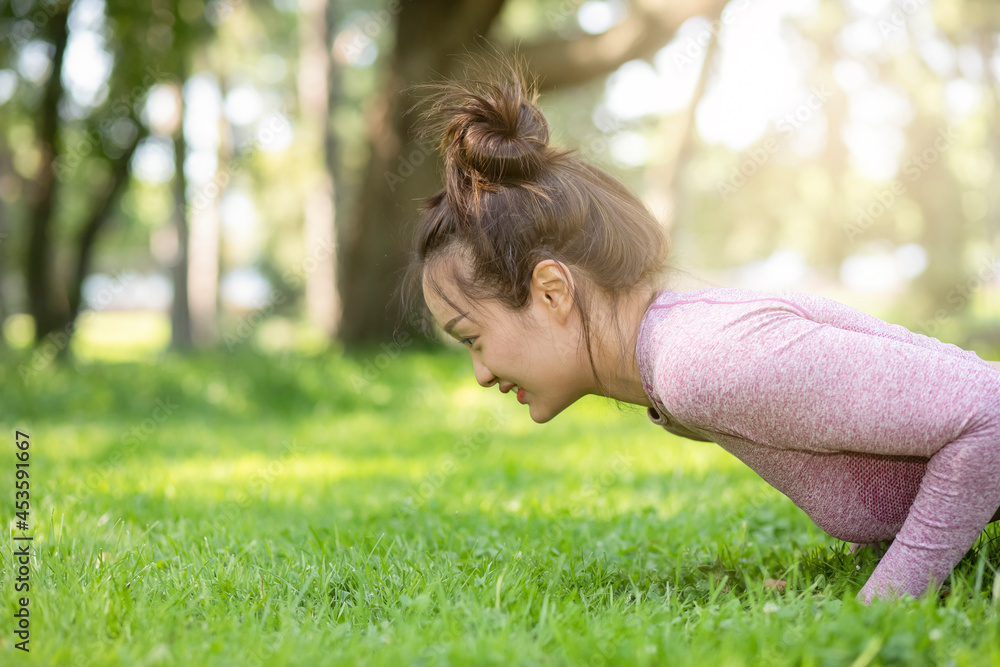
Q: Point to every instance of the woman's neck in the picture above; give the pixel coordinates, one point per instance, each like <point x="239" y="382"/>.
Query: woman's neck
<point x="616" y="365"/>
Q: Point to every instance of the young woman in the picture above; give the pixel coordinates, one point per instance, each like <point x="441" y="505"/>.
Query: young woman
<point x="554" y="275"/>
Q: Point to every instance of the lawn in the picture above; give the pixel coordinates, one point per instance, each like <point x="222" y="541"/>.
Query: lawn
<point x="240" y="509"/>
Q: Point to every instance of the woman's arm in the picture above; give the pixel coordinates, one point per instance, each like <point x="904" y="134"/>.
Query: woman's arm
<point x="996" y="364"/>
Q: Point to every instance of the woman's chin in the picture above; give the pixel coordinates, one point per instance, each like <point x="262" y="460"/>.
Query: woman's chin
<point x="536" y="417"/>
<point x="541" y="413"/>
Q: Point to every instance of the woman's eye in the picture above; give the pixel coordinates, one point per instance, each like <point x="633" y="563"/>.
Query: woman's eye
<point x="468" y="339"/>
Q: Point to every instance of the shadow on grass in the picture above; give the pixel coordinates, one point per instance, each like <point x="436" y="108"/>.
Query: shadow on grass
<point x="217" y="384"/>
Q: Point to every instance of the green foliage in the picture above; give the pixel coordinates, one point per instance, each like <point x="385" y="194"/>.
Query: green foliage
<point x="298" y="511"/>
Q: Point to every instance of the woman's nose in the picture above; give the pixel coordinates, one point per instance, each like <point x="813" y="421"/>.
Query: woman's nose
<point x="483" y="376"/>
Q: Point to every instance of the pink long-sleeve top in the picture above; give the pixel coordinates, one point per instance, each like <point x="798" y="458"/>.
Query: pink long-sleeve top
<point x="876" y="432"/>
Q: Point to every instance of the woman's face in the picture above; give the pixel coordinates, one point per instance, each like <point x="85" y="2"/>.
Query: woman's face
<point x="538" y="350"/>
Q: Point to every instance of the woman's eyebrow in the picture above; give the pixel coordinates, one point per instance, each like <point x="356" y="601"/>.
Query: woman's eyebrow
<point x="451" y="324"/>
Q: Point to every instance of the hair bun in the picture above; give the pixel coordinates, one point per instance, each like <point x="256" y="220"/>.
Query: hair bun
<point x="488" y="125"/>
<point x="503" y="137"/>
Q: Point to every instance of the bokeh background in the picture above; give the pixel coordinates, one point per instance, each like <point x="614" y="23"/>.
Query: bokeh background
<point x="239" y="173"/>
<point x="243" y="454"/>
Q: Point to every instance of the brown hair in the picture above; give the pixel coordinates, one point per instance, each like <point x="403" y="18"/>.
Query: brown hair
<point x="510" y="200"/>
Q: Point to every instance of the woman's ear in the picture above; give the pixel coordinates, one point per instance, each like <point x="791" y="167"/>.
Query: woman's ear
<point x="552" y="287"/>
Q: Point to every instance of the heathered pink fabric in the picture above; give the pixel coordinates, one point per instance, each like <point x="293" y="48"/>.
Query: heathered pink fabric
<point x="876" y="432"/>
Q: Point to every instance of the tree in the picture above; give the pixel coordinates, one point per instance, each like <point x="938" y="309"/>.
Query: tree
<point x="317" y="84"/>
<point x="90" y="157"/>
<point x="45" y="298"/>
<point x="430" y="39"/>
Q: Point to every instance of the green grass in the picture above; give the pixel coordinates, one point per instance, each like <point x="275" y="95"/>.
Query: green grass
<point x="289" y="512"/>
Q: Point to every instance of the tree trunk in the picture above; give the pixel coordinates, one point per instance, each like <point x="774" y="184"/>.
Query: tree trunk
<point x="3" y="263"/>
<point x="45" y="304"/>
<point x="942" y="290"/>
<point x="315" y="93"/>
<point x="95" y="223"/>
<point x="374" y="247"/>
<point x="677" y="132"/>
<point x="835" y="238"/>
<point x="6" y="172"/>
<point x="429" y="37"/>
<point x="180" y="312"/>
<point x="203" y="250"/>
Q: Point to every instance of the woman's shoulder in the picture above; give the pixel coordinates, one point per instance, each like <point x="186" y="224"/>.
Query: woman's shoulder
<point x="694" y="310"/>
<point x="685" y="335"/>
<point x="691" y="343"/>
<point x="724" y="319"/>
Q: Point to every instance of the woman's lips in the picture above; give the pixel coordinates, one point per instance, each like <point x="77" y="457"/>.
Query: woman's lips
<point x="520" y="395"/>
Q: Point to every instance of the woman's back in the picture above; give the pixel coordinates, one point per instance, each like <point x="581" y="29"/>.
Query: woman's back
<point x="840" y="411"/>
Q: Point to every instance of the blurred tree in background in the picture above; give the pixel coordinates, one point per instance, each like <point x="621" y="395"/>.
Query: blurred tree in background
<point x="244" y="172"/>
